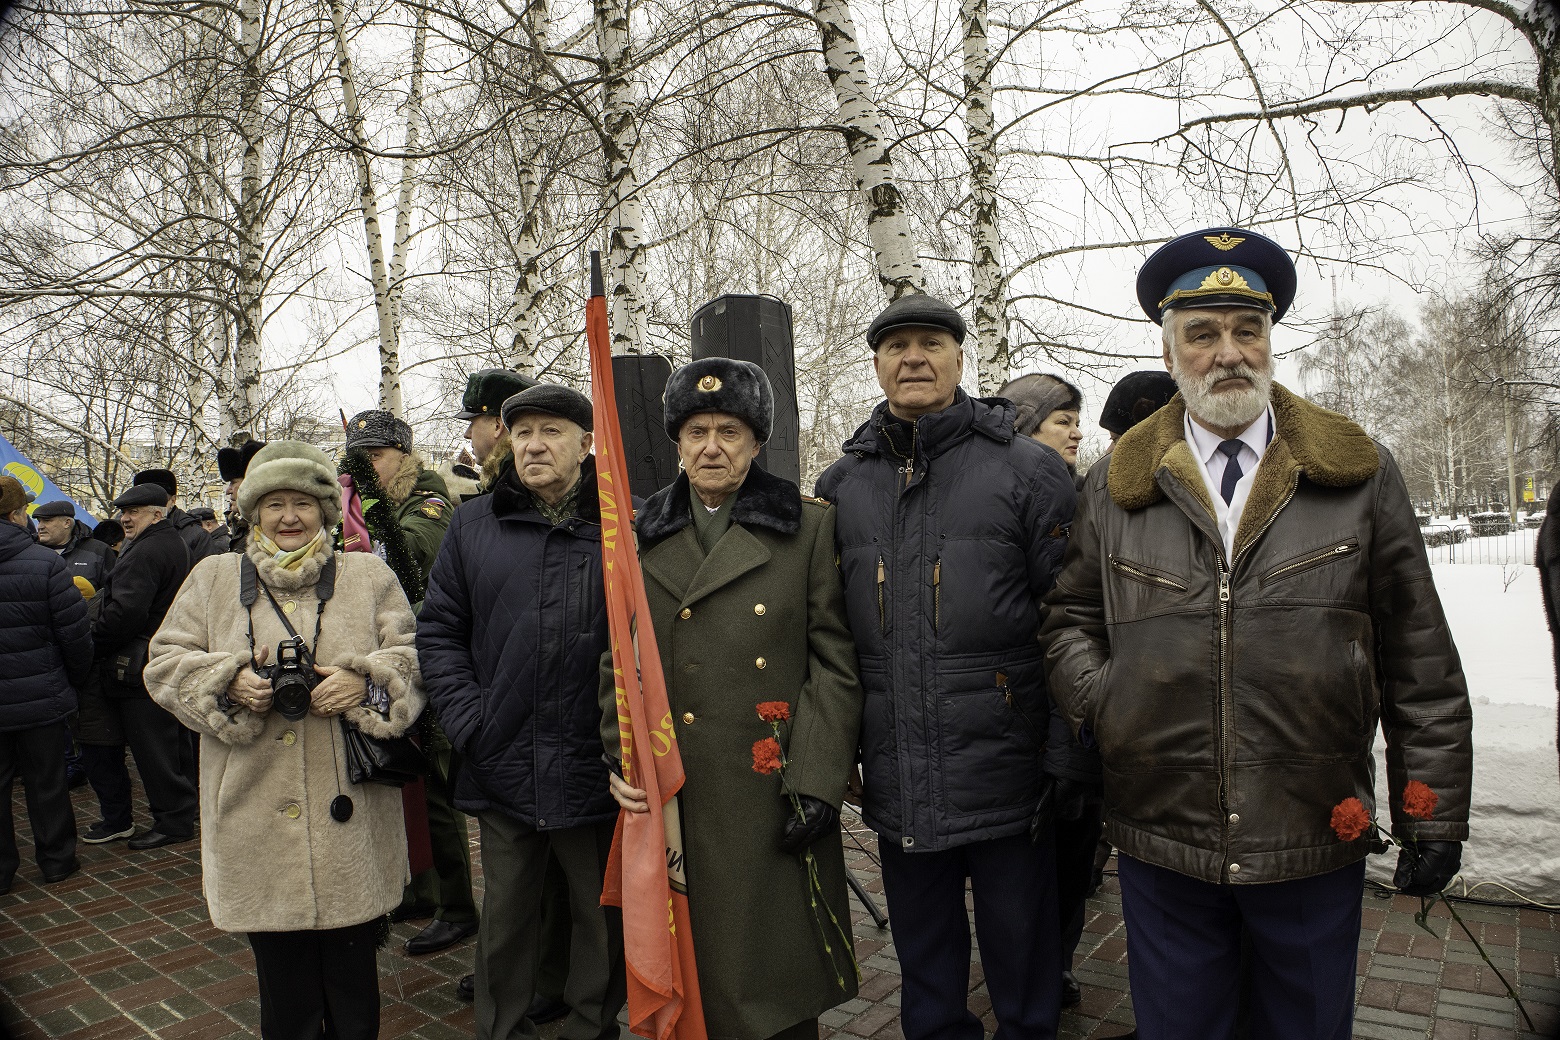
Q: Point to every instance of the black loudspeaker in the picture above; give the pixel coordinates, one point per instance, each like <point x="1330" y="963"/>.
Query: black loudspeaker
<point x="758" y="329"/>
<point x="639" y="381"/>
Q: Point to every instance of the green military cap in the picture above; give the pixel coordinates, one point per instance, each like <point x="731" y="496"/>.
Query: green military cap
<point x="488" y="389"/>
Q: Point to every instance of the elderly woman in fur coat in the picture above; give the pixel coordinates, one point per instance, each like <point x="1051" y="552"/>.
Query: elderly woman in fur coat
<point x="293" y="854"/>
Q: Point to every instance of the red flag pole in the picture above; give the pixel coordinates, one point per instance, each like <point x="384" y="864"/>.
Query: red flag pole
<point x="645" y="874"/>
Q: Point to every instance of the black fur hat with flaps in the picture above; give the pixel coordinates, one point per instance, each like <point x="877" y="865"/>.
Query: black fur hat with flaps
<point x="720" y="384"/>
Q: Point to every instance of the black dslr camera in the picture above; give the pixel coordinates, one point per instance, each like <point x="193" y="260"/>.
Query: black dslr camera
<point x="293" y="678"/>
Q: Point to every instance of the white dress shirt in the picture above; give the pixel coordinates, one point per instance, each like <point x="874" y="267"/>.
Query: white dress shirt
<point x="1211" y="462"/>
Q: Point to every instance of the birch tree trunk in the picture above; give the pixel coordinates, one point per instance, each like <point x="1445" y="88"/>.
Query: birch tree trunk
<point x="527" y="296"/>
<point x="621" y="142"/>
<point x="245" y="399"/>
<point x="403" y="202"/>
<point x="894" y="242"/>
<point x="389" y="347"/>
<point x="991" y="334"/>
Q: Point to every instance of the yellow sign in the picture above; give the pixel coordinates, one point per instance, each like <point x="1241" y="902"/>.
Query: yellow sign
<point x="1528" y="494"/>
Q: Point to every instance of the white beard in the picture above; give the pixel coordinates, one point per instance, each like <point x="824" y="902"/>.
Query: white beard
<point x="1229" y="408"/>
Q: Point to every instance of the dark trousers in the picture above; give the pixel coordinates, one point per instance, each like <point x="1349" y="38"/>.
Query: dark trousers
<point x="447" y="885"/>
<point x="1076" y="842"/>
<point x="514" y="863"/>
<point x="157" y="741"/>
<point x="34" y="755"/>
<point x="1184" y="953"/>
<point x="315" y="984"/>
<point x="1012" y="881"/>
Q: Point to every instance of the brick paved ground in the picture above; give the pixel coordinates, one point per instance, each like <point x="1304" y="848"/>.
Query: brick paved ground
<point x="125" y="949"/>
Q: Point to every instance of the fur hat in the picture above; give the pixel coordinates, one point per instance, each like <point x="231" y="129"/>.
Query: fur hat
<point x="232" y="462"/>
<point x="1037" y="396"/>
<point x="163" y="478"/>
<point x="291" y="466"/>
<point x="1135" y="398"/>
<point x="378" y="429"/>
<point x="720" y="384"/>
<point x="12" y="495"/>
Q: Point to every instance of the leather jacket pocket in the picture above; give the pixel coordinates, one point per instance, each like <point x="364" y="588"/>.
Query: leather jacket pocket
<point x="1306" y="561"/>
<point x="1145" y="575"/>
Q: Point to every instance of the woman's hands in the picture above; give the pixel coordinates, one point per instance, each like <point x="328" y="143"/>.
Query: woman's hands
<point x="630" y="798"/>
<point x="341" y="689"/>
<point x="248" y="690"/>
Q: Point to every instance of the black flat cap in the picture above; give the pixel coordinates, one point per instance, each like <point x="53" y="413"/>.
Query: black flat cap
<point x="1135" y="398"/>
<point x="109" y="532"/>
<point x="49" y="509"/>
<point x="1217" y="267"/>
<point x="488" y="389"/>
<point x="203" y="513"/>
<point x="554" y="400"/>
<point x="916" y="309"/>
<point x="720" y="384"/>
<point x="142" y="495"/>
<point x="163" y="478"/>
<point x="233" y="463"/>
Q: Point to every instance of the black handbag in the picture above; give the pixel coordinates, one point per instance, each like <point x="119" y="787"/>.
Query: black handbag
<point x="392" y="761"/>
<point x="126" y="665"/>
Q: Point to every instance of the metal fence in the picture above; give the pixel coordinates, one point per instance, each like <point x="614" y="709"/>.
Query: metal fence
<point x="1457" y="543"/>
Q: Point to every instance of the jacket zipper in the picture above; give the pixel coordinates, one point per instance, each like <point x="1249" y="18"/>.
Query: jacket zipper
<point x="1225" y="744"/>
<point x="1342" y="549"/>
<point x="1143" y="575"/>
<point x="881" y="575"/>
<point x="937" y="595"/>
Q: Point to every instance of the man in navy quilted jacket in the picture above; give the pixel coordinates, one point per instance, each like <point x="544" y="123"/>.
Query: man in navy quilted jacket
<point x="45" y="651"/>
<point x="510" y="640"/>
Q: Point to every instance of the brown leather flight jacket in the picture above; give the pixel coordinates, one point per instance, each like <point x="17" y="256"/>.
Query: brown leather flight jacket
<point x="1235" y="701"/>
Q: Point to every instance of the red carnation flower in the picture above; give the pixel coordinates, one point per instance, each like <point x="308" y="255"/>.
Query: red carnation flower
<point x="1418" y="800"/>
<point x="774" y="711"/>
<point x="1349" y="819"/>
<point x="766" y="755"/>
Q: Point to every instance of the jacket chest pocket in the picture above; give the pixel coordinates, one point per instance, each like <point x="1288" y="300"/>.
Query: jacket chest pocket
<point x="1321" y="557"/>
<point x="1145" y="575"/>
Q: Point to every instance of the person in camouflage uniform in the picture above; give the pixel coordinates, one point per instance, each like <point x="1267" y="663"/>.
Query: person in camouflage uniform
<point x="407" y="509"/>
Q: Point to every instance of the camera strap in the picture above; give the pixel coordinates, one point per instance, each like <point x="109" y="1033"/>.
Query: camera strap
<point x="250" y="585"/>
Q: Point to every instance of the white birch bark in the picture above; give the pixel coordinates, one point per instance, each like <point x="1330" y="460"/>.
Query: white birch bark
<point x="991" y="330"/>
<point x="625" y="246"/>
<point x="245" y="397"/>
<point x="888" y="220"/>
<point x="527" y="295"/>
<point x="403" y="202"/>
<point x="389" y="347"/>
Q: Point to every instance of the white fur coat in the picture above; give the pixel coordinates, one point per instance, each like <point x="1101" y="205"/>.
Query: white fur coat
<point x="272" y="857"/>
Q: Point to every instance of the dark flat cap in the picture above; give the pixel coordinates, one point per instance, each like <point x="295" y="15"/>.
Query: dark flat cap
<point x="142" y="495"/>
<point x="202" y="513"/>
<point x="58" y="508"/>
<point x="720" y="384"/>
<point x="1217" y="267"/>
<point x="163" y="478"/>
<point x="109" y="532"/>
<point x="378" y="429"/>
<point x="1135" y="398"/>
<point x="916" y="309"/>
<point x="233" y="463"/>
<point x="554" y="400"/>
<point x="12" y="495"/>
<point x="488" y="389"/>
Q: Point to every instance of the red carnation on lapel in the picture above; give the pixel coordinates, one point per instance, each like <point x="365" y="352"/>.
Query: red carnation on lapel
<point x="766" y="755"/>
<point x="774" y="711"/>
<point x="1418" y="800"/>
<point x="1349" y="819"/>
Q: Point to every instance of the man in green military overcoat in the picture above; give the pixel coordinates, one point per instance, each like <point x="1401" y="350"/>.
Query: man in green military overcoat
<point x="407" y="509"/>
<point x="748" y="608"/>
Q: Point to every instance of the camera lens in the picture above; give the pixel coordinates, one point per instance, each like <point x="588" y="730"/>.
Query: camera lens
<point x="290" y="696"/>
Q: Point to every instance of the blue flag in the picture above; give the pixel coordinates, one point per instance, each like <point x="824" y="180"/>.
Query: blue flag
<point x="42" y="489"/>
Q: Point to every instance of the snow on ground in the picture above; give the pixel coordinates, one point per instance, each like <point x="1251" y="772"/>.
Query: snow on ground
<point x="1497" y="618"/>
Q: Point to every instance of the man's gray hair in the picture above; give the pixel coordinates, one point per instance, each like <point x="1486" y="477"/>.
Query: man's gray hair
<point x="1172" y="326"/>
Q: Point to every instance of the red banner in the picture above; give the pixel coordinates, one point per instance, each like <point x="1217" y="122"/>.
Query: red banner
<point x="645" y="871"/>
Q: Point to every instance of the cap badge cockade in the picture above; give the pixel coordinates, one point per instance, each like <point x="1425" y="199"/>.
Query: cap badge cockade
<point x="709" y="384"/>
<point x="1224" y="278"/>
<point x="1224" y="242"/>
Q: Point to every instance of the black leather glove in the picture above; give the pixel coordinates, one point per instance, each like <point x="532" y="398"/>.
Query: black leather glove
<point x="1425" y="870"/>
<point x="1045" y="810"/>
<point x="817" y="819"/>
<point x="1073" y="797"/>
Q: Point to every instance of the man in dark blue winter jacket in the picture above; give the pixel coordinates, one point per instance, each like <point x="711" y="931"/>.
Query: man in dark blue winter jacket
<point x="950" y="531"/>
<point x="509" y="641"/>
<point x="45" y="651"/>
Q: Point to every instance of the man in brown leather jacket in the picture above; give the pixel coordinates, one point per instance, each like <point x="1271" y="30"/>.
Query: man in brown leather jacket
<point x="1245" y="599"/>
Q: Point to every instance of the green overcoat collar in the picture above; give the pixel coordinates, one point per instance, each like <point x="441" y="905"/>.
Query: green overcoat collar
<point x="1324" y="447"/>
